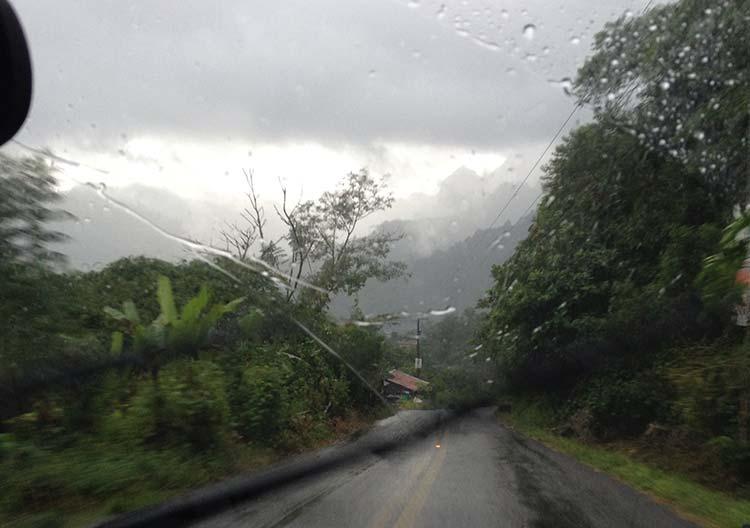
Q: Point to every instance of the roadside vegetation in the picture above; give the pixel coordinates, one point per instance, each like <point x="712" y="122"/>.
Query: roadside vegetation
<point x="617" y="311"/>
<point x="632" y="462"/>
<point x="127" y="385"/>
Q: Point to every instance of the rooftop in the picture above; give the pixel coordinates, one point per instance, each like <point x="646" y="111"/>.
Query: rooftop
<point x="405" y="380"/>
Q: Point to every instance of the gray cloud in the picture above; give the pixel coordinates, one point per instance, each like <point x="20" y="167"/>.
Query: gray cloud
<point x="330" y="71"/>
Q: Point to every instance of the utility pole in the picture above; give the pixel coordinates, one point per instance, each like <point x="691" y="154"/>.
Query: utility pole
<point x="418" y="359"/>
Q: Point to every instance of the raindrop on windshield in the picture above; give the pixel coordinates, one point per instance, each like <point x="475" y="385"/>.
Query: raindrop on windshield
<point x="528" y="31"/>
<point x="566" y="83"/>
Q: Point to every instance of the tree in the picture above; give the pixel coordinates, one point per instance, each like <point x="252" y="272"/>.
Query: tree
<point x="240" y="239"/>
<point x="324" y="248"/>
<point x="678" y="79"/>
<point x="301" y="237"/>
<point x="447" y="342"/>
<point x="27" y="321"/>
<point x="25" y="211"/>
<point x="599" y="296"/>
<point x="172" y="334"/>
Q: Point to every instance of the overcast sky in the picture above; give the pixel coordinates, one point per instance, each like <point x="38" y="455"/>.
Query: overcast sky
<point x="184" y="94"/>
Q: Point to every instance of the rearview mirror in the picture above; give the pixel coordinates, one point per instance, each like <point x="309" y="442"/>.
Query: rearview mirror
<point x="15" y="74"/>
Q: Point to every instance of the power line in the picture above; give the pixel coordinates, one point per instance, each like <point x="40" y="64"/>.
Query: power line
<point x="536" y="163"/>
<point x="528" y="175"/>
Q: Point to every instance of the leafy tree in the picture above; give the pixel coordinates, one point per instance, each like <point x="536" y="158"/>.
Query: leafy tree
<point x="678" y="79"/>
<point x="605" y="284"/>
<point x="25" y="210"/>
<point x="346" y="260"/>
<point x="172" y="334"/>
<point x="323" y="246"/>
<point x="448" y="341"/>
<point x="136" y="278"/>
<point x="27" y="312"/>
<point x="363" y="349"/>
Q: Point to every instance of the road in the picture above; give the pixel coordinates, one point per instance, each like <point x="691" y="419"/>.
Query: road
<point x="470" y="472"/>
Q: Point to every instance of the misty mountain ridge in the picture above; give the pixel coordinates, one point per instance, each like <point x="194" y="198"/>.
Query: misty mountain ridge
<point x="447" y="246"/>
<point x="464" y="203"/>
<point x="457" y="276"/>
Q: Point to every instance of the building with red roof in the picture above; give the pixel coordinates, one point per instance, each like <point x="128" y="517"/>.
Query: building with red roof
<point x="399" y="384"/>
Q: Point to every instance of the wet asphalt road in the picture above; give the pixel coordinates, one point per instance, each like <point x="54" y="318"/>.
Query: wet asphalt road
<point x="482" y="474"/>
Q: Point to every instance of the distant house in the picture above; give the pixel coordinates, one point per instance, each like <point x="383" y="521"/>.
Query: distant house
<point x="400" y="385"/>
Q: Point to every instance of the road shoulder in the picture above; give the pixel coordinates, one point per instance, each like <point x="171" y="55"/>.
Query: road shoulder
<point x="687" y="499"/>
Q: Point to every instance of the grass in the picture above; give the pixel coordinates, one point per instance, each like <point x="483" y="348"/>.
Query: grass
<point x="87" y="481"/>
<point x="689" y="499"/>
<point x="77" y="485"/>
<point x="411" y="405"/>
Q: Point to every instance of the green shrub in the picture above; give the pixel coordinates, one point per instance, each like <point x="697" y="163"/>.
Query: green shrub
<point x="188" y="405"/>
<point x="733" y="456"/>
<point x="709" y="381"/>
<point x="305" y="430"/>
<point x="457" y="387"/>
<point x="262" y="410"/>
<point x="624" y="406"/>
<point x="363" y="349"/>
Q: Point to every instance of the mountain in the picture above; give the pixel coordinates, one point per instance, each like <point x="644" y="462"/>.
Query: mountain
<point x="464" y="203"/>
<point x="456" y="276"/>
<point x="448" y="246"/>
<point x="103" y="232"/>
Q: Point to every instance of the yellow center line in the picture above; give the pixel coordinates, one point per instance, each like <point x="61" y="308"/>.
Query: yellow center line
<point x="385" y="513"/>
<point x="427" y="468"/>
<point x="417" y="500"/>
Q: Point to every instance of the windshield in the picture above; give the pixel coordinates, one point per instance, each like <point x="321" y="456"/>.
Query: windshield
<point x="235" y="234"/>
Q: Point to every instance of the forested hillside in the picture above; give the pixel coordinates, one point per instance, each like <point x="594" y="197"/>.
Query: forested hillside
<point x="610" y="312"/>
